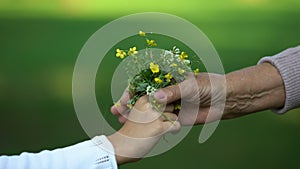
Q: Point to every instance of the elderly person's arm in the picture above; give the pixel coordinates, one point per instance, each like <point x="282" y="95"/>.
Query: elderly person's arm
<point x="272" y="84"/>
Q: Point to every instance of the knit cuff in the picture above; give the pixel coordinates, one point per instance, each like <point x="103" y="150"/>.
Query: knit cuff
<point x="288" y="65"/>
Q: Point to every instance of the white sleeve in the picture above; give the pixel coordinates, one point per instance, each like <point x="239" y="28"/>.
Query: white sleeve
<point x="97" y="153"/>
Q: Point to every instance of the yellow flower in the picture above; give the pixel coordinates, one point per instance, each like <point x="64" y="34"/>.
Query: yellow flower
<point x="183" y="56"/>
<point x="168" y="77"/>
<point x="132" y="51"/>
<point x="196" y="71"/>
<point x="180" y="71"/>
<point x="118" y="104"/>
<point x="129" y="106"/>
<point x="151" y="43"/>
<point x="141" y="33"/>
<point x="173" y="65"/>
<point x="177" y="107"/>
<point x="157" y="80"/>
<point x="154" y="67"/>
<point x="120" y="53"/>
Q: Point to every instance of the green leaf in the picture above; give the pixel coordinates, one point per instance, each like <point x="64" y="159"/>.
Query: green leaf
<point x="141" y="87"/>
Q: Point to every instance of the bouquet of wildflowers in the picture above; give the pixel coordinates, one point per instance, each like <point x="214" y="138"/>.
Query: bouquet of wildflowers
<point x="151" y="69"/>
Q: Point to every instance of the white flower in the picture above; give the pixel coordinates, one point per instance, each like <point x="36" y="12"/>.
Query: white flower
<point x="169" y="56"/>
<point x="150" y="90"/>
<point x="167" y="52"/>
<point x="187" y="62"/>
<point x="176" y="50"/>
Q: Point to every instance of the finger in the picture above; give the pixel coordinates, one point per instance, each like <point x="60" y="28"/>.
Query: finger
<point x="143" y="100"/>
<point x="125" y="98"/>
<point x="168" y="94"/>
<point x="169" y="117"/>
<point x="120" y="108"/>
<point x="186" y="89"/>
<point x="169" y="108"/>
<point x="122" y="119"/>
<point x="114" y="110"/>
<point x="171" y="127"/>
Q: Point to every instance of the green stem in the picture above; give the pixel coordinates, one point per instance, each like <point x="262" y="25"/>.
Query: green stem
<point x="154" y="105"/>
<point x="167" y="117"/>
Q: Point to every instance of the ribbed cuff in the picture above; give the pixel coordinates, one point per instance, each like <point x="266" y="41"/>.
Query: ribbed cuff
<point x="288" y="65"/>
<point x="106" y="149"/>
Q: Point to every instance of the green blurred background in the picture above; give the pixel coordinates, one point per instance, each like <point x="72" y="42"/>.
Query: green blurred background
<point x="40" y="41"/>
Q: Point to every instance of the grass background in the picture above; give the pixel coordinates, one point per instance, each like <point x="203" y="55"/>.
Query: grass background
<point x="40" y="41"/>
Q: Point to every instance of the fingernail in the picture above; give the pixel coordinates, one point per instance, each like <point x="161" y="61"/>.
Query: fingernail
<point x="161" y="95"/>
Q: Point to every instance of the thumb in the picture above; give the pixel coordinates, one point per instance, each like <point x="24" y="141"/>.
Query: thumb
<point x="187" y="89"/>
<point x="168" y="94"/>
<point x="171" y="127"/>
